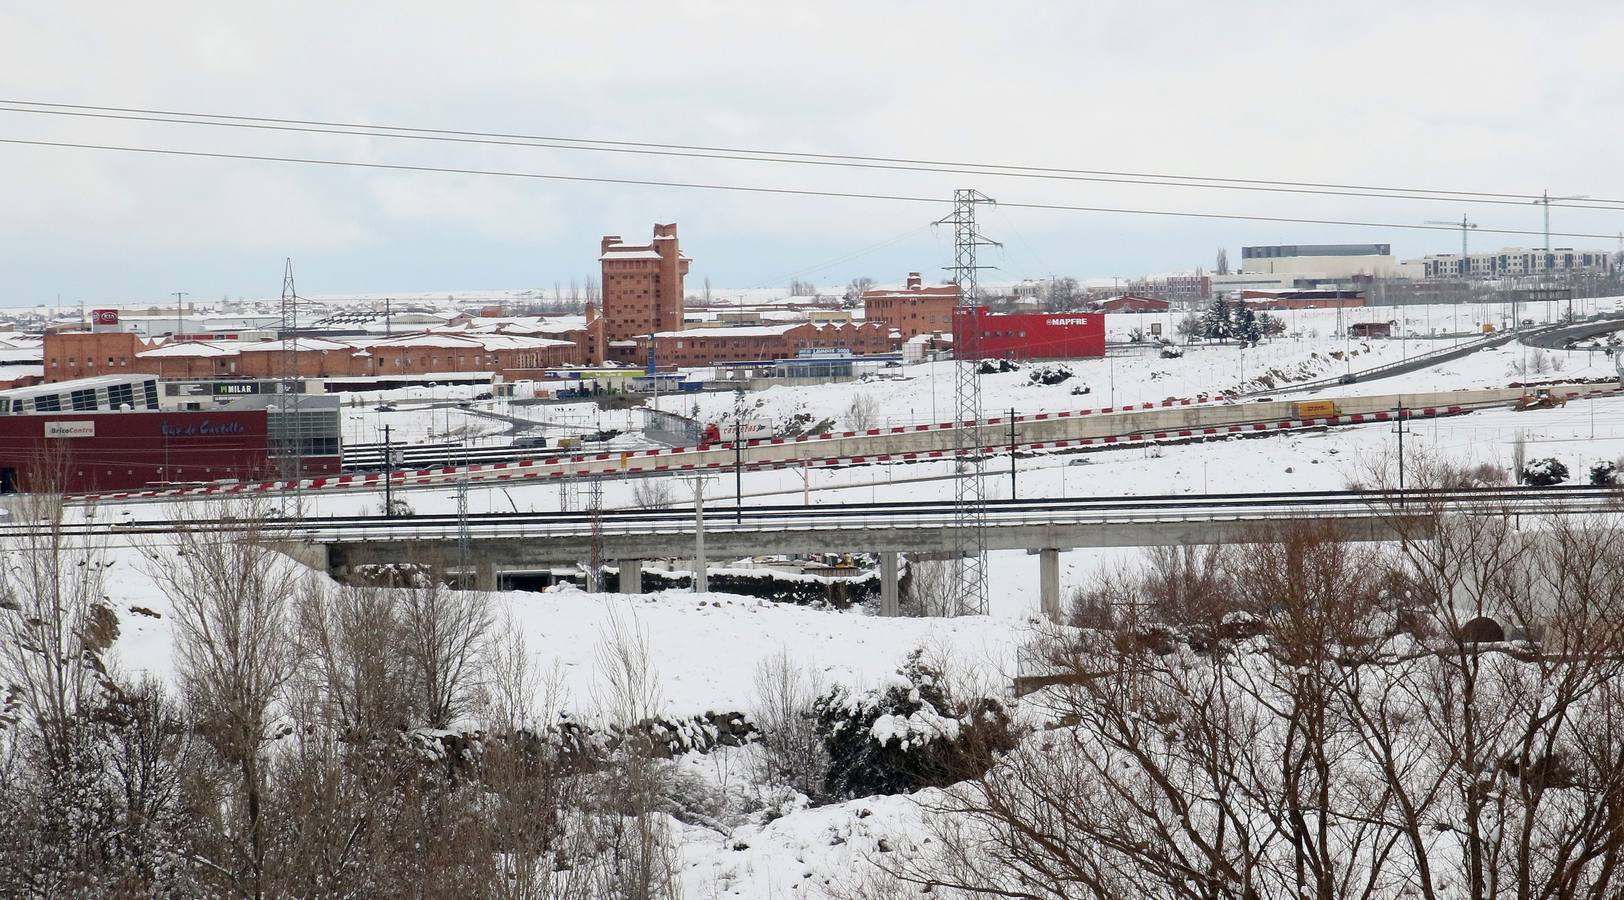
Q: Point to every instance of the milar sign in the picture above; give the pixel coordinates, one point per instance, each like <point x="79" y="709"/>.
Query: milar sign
<point x="70" y="429"/>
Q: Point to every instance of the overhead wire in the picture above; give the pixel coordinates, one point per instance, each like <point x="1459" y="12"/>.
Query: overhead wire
<point x="882" y="163"/>
<point x="758" y="189"/>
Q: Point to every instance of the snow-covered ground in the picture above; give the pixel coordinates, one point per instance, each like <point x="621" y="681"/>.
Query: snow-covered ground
<point x="705" y="647"/>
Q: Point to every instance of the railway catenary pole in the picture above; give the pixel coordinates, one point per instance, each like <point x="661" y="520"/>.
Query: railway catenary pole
<point x="388" y="475"/>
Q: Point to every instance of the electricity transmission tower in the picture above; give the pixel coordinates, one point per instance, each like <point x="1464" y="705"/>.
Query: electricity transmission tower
<point x="594" y="578"/>
<point x="969" y="510"/>
<point x="291" y="430"/>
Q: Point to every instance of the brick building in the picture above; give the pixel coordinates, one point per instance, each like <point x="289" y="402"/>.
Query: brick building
<point x="1134" y="303"/>
<point x="189" y="359"/>
<point x="84" y="354"/>
<point x="642" y="291"/>
<point x="913" y="310"/>
<point x="707" y="346"/>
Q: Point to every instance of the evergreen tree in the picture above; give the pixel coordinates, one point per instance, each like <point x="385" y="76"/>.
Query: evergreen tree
<point x="1244" y="325"/>
<point x="1215" y="325"/>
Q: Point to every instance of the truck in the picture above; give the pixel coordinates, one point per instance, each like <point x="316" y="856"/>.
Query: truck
<point x="1314" y="409"/>
<point x="727" y="432"/>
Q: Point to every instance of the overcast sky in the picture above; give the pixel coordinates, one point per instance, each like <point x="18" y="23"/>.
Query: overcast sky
<point x="1481" y="96"/>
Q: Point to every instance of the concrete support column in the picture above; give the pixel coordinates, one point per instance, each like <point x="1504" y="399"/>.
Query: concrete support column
<point x="631" y="576"/>
<point x="485" y="575"/>
<point x="888" y="583"/>
<point x="1049" y="583"/>
<point x="701" y="582"/>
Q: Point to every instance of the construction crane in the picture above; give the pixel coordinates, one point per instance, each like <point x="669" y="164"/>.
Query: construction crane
<point x="1547" y="258"/>
<point x="1464" y="226"/>
<point x="1465" y="261"/>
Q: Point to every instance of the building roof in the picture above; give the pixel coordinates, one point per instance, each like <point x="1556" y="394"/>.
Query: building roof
<point x="76" y="384"/>
<point x="738" y="331"/>
<point x="192" y="350"/>
<point x="298" y="345"/>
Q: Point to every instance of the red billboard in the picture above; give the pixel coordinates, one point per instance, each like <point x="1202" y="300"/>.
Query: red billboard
<point x="104" y="316"/>
<point x="979" y="334"/>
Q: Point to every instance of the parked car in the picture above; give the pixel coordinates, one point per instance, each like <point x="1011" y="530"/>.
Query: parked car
<point x="385" y="407"/>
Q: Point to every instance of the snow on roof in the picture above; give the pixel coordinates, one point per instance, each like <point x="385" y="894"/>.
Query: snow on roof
<point x="629" y="253"/>
<point x="298" y="345"/>
<point x="739" y="331"/>
<point x="192" y="349"/>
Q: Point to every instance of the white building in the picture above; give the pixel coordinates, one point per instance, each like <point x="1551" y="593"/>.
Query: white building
<point x="1511" y="261"/>
<point x="1325" y="262"/>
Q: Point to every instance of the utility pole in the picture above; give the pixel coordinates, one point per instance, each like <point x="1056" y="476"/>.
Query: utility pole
<point x="180" y="328"/>
<point x="1400" y="431"/>
<point x="738" y="471"/>
<point x="388" y="475"/>
<point x="701" y="581"/>
<point x="1012" y="453"/>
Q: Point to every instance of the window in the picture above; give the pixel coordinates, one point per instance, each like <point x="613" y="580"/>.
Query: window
<point x="120" y="395"/>
<point x="152" y="394"/>
<point x="84" y="399"/>
<point x="48" y="403"/>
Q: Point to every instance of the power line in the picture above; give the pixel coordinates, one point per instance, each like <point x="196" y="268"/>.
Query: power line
<point x="882" y="163"/>
<point x="800" y="192"/>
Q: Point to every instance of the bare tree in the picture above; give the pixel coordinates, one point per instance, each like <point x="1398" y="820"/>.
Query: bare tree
<point x="232" y="593"/>
<point x="930" y="589"/>
<point x="54" y="622"/>
<point x="652" y="493"/>
<point x="863" y="412"/>
<point x="443" y="631"/>
<point x="637" y="857"/>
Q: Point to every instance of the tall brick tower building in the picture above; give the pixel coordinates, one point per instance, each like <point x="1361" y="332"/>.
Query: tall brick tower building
<point x="642" y="290"/>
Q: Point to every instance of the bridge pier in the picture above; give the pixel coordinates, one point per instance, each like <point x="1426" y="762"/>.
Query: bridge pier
<point x="888" y="583"/>
<point x="631" y="576"/>
<point x="1049" y="583"/>
<point x="485" y="575"/>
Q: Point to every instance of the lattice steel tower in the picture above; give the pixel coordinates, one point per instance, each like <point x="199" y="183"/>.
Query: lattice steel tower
<point x="288" y="389"/>
<point x="970" y="510"/>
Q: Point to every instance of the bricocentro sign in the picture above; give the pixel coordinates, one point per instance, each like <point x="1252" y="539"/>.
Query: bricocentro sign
<point x="70" y="429"/>
<point x="204" y="428"/>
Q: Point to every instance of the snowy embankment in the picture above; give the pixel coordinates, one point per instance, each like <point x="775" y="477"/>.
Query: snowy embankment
<point x="703" y="647"/>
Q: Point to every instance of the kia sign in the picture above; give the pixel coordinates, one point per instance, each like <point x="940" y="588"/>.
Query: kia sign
<point x="70" y="429"/>
<point x="105" y="316"/>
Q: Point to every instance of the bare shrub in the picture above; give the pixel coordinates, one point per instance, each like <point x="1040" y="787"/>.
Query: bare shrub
<point x="791" y="754"/>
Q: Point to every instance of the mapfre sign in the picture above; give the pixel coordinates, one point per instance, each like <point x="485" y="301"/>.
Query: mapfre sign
<point x="70" y="429"/>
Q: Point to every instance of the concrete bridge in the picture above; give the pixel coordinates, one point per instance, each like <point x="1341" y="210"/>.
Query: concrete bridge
<point x="528" y="542"/>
